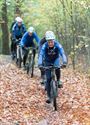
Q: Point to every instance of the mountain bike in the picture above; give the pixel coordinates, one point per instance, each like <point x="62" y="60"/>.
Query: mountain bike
<point x="30" y="60"/>
<point x="53" y="84"/>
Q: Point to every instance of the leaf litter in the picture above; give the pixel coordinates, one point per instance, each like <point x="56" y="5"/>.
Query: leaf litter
<point x="22" y="99"/>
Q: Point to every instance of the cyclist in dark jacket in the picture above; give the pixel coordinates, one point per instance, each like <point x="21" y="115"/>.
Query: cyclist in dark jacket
<point x="18" y="31"/>
<point x="11" y="37"/>
<point x="51" y="51"/>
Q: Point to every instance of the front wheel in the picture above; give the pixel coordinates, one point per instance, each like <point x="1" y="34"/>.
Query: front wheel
<point x="19" y="62"/>
<point x="30" y="66"/>
<point x="54" y="93"/>
<point x="55" y="103"/>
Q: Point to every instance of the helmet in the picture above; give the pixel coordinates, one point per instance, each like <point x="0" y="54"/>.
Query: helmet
<point x="18" y="19"/>
<point x="49" y="35"/>
<point x="31" y="29"/>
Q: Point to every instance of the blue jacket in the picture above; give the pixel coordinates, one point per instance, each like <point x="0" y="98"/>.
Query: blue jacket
<point x="17" y="31"/>
<point x="27" y="40"/>
<point x="51" y="54"/>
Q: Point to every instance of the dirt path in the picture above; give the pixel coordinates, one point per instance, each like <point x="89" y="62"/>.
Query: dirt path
<point x="22" y="99"/>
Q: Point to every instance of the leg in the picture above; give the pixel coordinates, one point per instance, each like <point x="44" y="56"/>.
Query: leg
<point x="34" y="51"/>
<point x="25" y="54"/>
<point x="58" y="75"/>
<point x="11" y="46"/>
<point x="42" y="76"/>
<point x="48" y="87"/>
<point x="13" y="49"/>
<point x="58" y="72"/>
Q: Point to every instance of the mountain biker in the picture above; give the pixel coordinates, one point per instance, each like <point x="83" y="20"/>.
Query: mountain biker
<point x="28" y="41"/>
<point x="12" y="45"/>
<point x="51" y="51"/>
<point x="18" y="31"/>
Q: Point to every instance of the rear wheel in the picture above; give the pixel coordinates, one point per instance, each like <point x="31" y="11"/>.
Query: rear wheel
<point x="19" y="62"/>
<point x="28" y="64"/>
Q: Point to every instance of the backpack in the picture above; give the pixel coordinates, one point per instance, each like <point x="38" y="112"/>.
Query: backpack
<point x="12" y="26"/>
<point x="42" y="41"/>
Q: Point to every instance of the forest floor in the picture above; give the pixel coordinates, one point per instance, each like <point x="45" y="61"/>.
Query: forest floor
<point x="22" y="99"/>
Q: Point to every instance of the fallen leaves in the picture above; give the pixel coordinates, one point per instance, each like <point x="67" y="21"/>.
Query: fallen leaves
<point x="22" y="99"/>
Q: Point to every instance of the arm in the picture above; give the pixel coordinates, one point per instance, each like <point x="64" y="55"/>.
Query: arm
<point x="36" y="38"/>
<point x="23" y="40"/>
<point x="62" y="53"/>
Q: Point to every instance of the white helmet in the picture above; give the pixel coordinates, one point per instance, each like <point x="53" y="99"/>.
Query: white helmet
<point x="31" y="29"/>
<point x="49" y="35"/>
<point x="18" y="19"/>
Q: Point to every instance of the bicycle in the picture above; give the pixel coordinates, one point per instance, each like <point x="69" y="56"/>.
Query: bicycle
<point x="30" y="60"/>
<point x="53" y="84"/>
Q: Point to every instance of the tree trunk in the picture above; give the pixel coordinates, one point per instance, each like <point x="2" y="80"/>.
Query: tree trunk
<point x="4" y="27"/>
<point x="73" y="36"/>
<point x="65" y="29"/>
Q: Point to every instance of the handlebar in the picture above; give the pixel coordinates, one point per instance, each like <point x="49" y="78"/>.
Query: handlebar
<point x="30" y="48"/>
<point x="52" y="67"/>
<point x="49" y="67"/>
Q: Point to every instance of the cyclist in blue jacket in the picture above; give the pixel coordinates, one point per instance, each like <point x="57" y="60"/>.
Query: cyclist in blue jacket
<point x="51" y="51"/>
<point x="28" y="41"/>
<point x="18" y="31"/>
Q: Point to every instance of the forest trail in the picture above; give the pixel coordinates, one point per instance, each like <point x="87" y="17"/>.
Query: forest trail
<point x="22" y="99"/>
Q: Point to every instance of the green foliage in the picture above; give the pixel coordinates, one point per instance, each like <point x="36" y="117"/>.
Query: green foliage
<point x="69" y="19"/>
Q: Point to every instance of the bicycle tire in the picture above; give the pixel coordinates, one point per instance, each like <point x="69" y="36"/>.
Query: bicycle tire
<point x="19" y="60"/>
<point x="55" y="103"/>
<point x="19" y="63"/>
<point x="54" y="93"/>
<point x="30" y="66"/>
<point x="27" y="69"/>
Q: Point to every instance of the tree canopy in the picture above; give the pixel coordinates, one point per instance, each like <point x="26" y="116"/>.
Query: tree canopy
<point x="70" y="20"/>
